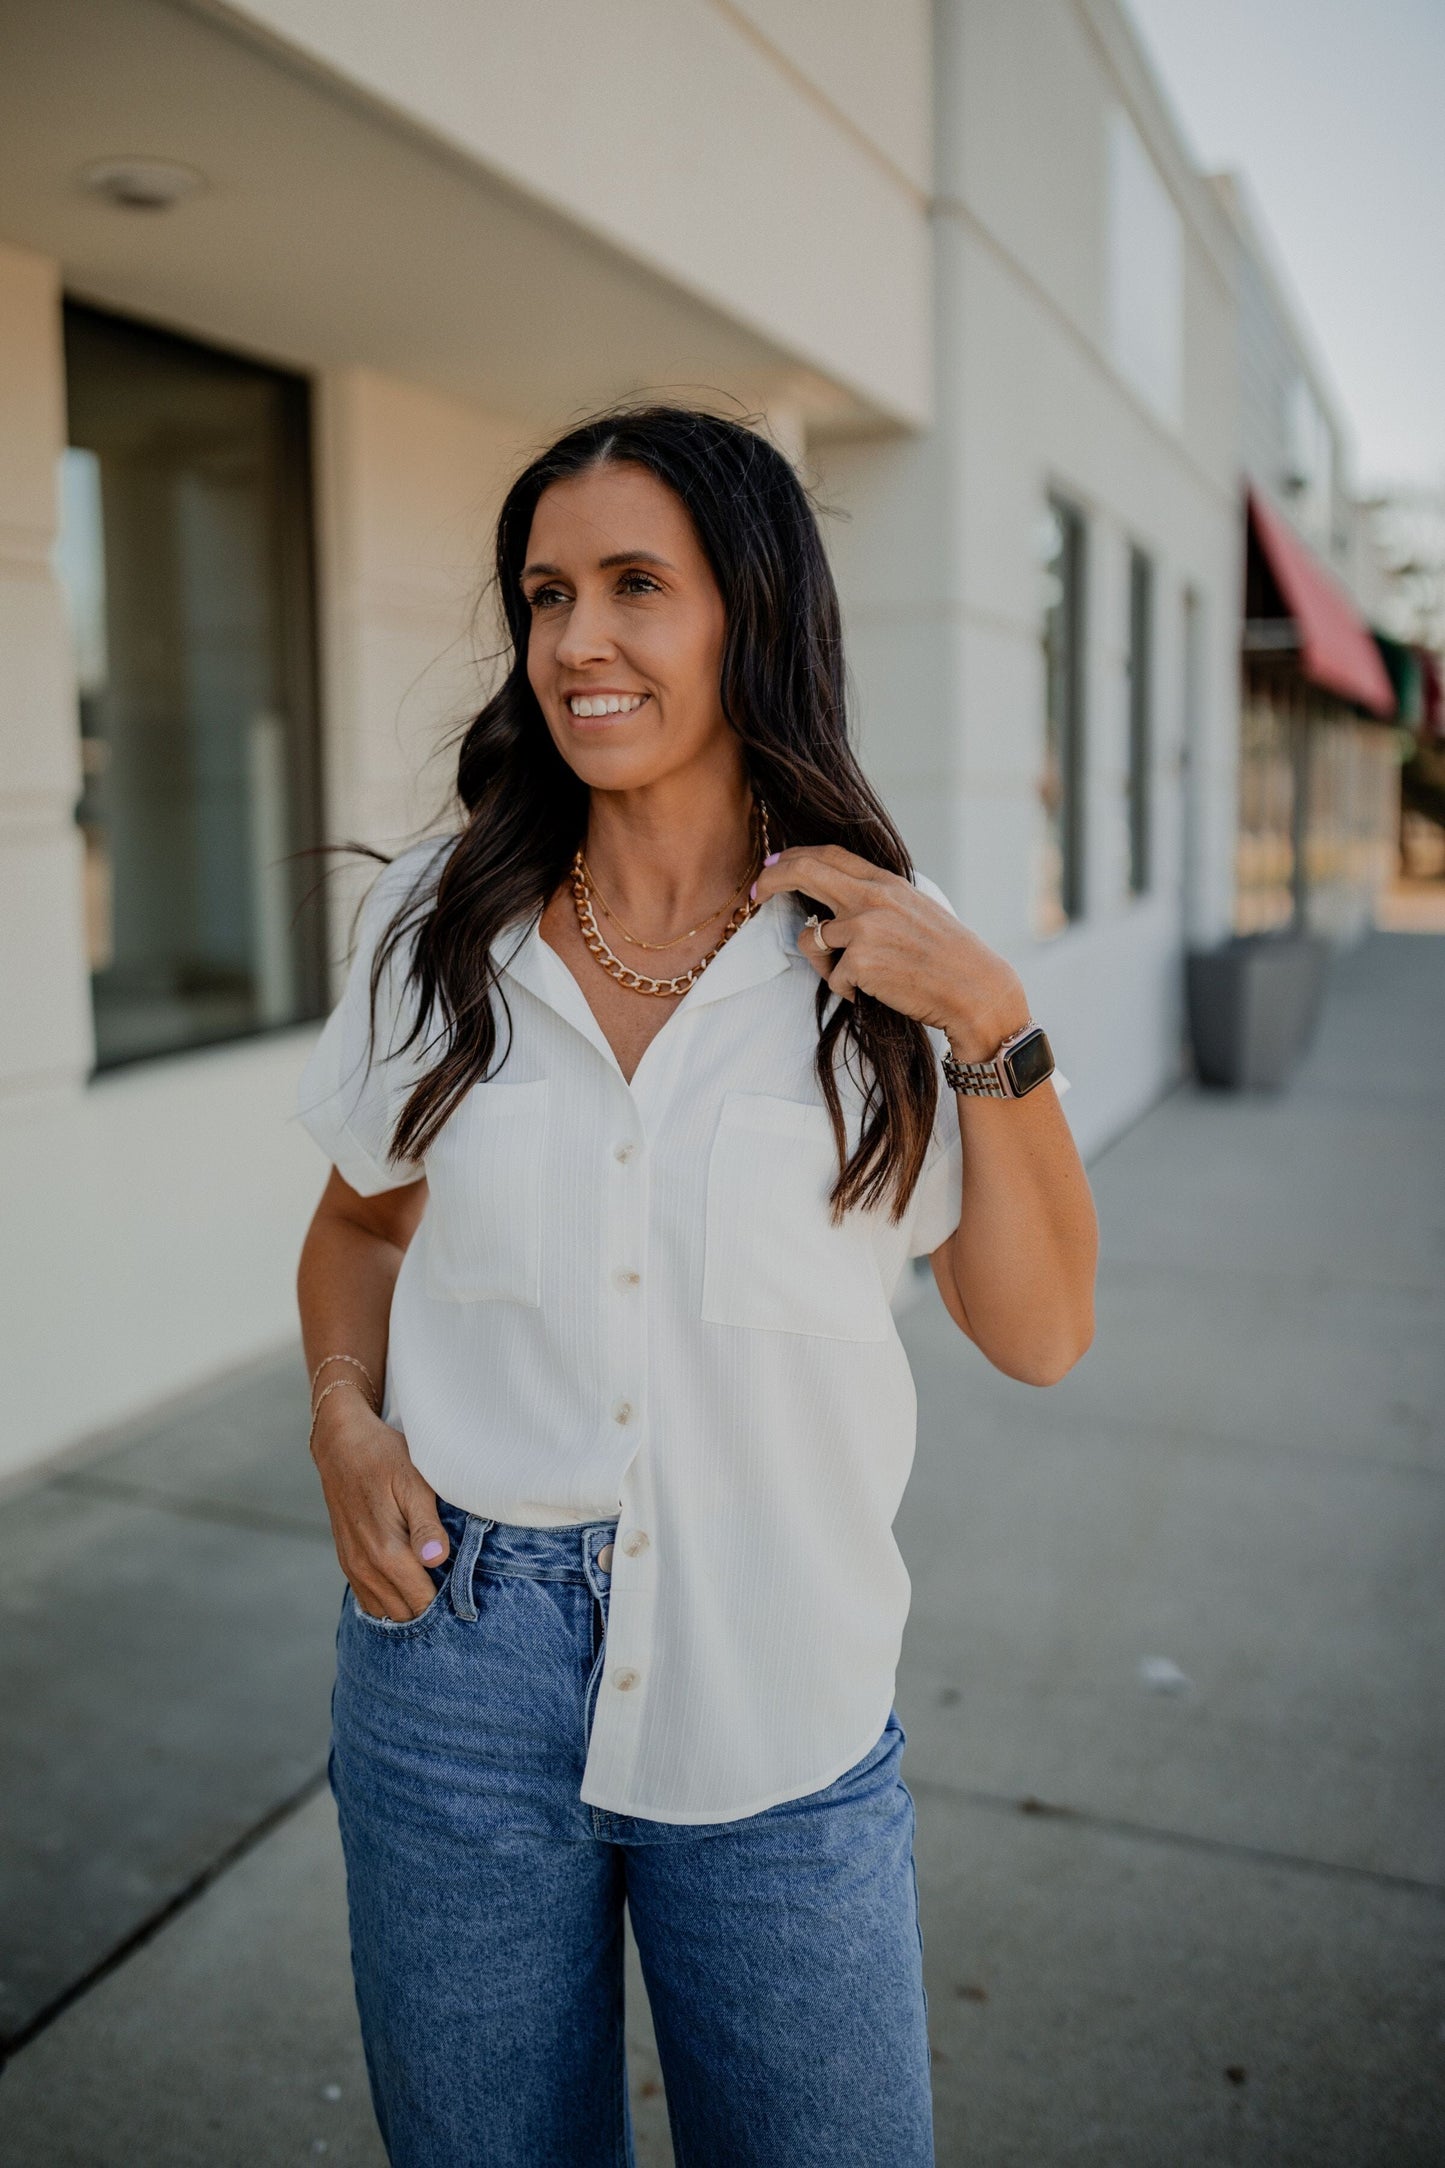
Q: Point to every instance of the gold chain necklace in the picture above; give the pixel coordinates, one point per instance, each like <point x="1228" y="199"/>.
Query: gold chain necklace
<point x="677" y="939"/>
<point x="638" y="981"/>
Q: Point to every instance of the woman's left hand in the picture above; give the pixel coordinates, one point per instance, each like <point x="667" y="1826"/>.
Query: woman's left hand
<point x="889" y="939"/>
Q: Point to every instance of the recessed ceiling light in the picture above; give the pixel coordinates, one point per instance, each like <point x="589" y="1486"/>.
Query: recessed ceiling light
<point x="141" y="184"/>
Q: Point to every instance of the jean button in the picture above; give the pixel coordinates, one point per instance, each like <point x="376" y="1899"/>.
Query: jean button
<point x="604" y="1558"/>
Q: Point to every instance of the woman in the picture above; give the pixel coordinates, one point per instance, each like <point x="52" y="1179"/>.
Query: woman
<point x="633" y="1102"/>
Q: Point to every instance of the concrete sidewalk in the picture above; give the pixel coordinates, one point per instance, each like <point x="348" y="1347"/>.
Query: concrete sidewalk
<point x="1172" y="1686"/>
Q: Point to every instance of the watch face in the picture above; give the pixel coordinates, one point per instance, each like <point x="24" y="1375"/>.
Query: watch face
<point x="1030" y="1062"/>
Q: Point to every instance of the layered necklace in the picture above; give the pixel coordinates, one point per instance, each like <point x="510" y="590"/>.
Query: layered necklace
<point x="739" y="907"/>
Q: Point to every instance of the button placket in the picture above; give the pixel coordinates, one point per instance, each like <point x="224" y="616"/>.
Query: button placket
<point x="621" y="1711"/>
<point x="632" y="1600"/>
<point x="627" y="1237"/>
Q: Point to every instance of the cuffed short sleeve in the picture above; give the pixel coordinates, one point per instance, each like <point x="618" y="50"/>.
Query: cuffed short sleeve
<point x="351" y="1093"/>
<point x="938" y="1199"/>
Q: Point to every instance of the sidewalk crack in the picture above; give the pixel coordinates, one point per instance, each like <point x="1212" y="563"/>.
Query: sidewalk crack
<point x="1261" y="1855"/>
<point x="150" y="1927"/>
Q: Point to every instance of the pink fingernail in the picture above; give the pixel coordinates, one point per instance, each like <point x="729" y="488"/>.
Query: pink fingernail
<point x="753" y="892"/>
<point x="772" y="858"/>
<point x="431" y="1552"/>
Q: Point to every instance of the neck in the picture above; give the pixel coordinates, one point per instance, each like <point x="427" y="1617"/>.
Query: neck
<point x="664" y="856"/>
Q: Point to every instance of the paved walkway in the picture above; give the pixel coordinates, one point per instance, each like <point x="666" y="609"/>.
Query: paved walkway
<point x="1172" y="1686"/>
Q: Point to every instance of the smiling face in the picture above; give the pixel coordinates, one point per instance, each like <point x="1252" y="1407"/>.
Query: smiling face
<point x="627" y="629"/>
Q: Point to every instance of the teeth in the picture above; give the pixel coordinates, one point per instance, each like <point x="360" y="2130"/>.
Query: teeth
<point x="605" y="703"/>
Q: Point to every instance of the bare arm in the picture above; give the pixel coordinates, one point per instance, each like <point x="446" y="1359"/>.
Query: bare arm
<point x="1017" y="1274"/>
<point x="383" y="1514"/>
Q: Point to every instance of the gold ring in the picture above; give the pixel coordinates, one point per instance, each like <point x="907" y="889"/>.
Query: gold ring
<point x="816" y="923"/>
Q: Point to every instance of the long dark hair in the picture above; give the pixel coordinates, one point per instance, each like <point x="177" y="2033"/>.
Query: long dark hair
<point x="526" y="810"/>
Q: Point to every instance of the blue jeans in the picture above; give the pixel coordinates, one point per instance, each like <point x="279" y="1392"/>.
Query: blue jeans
<point x="782" y="1952"/>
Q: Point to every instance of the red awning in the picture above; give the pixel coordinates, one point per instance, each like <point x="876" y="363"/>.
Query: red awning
<point x="1336" y="650"/>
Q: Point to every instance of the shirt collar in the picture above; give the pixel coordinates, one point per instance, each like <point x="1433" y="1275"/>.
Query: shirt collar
<point x="763" y="946"/>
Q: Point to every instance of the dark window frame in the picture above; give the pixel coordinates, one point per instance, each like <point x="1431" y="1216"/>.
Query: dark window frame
<point x="1066" y="698"/>
<point x="1139" y="778"/>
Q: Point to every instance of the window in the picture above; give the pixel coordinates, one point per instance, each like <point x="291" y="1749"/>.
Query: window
<point x="1318" y="814"/>
<point x="1141" y="725"/>
<point x="1352" y="823"/>
<point x="1265" y="845"/>
<point x="1060" y="887"/>
<point x="185" y="555"/>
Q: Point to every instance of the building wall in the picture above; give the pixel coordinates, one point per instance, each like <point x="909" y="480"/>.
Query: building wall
<point x="409" y="484"/>
<point x="812" y="124"/>
<point x="140" y="1212"/>
<point x="154" y="1215"/>
<point x="1292" y="439"/>
<point x="46" y="1039"/>
<point x="939" y="561"/>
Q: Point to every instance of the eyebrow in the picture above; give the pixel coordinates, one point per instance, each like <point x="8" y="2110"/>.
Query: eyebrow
<point x="605" y="564"/>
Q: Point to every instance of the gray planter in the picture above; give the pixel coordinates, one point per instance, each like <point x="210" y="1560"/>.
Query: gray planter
<point x="1253" y="1004"/>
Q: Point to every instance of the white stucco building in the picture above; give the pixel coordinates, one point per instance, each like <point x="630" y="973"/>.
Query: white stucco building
<point x="251" y="444"/>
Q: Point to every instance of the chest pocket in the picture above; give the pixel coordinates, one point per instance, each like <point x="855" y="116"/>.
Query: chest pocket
<point x="773" y="1260"/>
<point x="483" y="1222"/>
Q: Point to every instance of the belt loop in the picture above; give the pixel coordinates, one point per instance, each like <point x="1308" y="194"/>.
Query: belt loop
<point x="469" y="1550"/>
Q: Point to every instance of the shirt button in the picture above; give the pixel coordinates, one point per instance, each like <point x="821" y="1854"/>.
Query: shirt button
<point x="624" y="1150"/>
<point x="604" y="1558"/>
<point x="624" y="1681"/>
<point x="622" y="1277"/>
<point x="622" y="1411"/>
<point x="636" y="1543"/>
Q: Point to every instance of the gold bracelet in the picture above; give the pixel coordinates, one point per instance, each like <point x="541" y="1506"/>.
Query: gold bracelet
<point x="342" y="1359"/>
<point x="335" y="1387"/>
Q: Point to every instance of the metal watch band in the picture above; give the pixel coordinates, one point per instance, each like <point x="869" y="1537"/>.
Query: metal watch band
<point x="979" y="1079"/>
<point x="982" y="1079"/>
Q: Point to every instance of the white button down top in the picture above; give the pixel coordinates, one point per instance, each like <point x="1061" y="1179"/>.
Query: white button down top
<point x="627" y="1299"/>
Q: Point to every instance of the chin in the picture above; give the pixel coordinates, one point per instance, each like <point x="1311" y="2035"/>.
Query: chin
<point x="604" y="767"/>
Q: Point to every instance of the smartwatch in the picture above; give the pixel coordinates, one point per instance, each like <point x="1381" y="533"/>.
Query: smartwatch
<point x="1020" y="1063"/>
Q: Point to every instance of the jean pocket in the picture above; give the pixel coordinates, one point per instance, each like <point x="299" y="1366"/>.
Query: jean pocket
<point x="400" y="1628"/>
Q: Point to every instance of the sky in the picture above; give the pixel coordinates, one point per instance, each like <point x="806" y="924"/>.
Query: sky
<point x="1335" y="112"/>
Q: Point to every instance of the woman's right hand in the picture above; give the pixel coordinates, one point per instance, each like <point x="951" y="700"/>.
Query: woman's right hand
<point x="383" y="1513"/>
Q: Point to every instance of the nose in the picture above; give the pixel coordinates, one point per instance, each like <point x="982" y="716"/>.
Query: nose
<point x="585" y="636"/>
